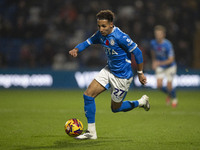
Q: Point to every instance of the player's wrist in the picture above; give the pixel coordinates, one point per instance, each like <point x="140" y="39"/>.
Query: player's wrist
<point x="77" y="50"/>
<point x="139" y="72"/>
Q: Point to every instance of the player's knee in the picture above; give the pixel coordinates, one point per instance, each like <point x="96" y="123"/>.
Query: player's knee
<point x="169" y="86"/>
<point x="115" y="109"/>
<point x="159" y="86"/>
<point x="89" y="93"/>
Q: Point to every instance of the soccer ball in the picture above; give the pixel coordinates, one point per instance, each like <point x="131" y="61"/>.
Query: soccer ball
<point x="73" y="127"/>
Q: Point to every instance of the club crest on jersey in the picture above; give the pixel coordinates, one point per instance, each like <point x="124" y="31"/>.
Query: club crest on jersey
<point x="112" y="42"/>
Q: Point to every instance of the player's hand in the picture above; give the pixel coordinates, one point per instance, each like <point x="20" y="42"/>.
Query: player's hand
<point x="74" y="52"/>
<point x="155" y="64"/>
<point x="142" y="78"/>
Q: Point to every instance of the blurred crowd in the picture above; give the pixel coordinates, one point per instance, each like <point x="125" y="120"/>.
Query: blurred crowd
<point x="39" y="33"/>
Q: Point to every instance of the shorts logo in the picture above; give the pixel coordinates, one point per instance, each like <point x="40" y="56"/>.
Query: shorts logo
<point x="112" y="42"/>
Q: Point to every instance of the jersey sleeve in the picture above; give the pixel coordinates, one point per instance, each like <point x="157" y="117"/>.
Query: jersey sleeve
<point x="94" y="39"/>
<point x="170" y="50"/>
<point x="127" y="43"/>
<point x="152" y="45"/>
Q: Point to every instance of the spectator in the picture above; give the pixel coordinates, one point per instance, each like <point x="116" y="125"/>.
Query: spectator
<point x="61" y="22"/>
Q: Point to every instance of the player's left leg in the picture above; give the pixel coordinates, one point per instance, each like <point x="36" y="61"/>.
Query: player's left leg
<point x="119" y="88"/>
<point x="170" y="73"/>
<point x="172" y="93"/>
<point x="129" y="105"/>
<point x="160" y="74"/>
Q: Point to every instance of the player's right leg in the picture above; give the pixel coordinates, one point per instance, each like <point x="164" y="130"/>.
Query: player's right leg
<point x="160" y="74"/>
<point x="164" y="90"/>
<point x="172" y="93"/>
<point x="170" y="73"/>
<point x="97" y="86"/>
<point x="92" y="91"/>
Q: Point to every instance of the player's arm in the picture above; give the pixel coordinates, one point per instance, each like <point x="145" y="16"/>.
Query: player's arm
<point x="153" y="57"/>
<point x="127" y="44"/>
<point x="94" y="39"/>
<point x="80" y="47"/>
<point x="166" y="62"/>
<point x="170" y="59"/>
<point x="156" y="63"/>
<point x="139" y="60"/>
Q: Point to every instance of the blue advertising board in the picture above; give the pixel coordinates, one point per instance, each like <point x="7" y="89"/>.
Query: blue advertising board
<point x="80" y="80"/>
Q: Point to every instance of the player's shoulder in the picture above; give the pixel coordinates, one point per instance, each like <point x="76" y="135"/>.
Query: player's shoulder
<point x="118" y="33"/>
<point x="97" y="33"/>
<point x="166" y="41"/>
<point x="153" y="42"/>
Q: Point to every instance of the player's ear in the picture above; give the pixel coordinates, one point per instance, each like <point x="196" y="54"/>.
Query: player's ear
<point x="111" y="24"/>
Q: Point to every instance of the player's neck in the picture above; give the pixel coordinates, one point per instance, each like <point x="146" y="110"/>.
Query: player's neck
<point x="111" y="30"/>
<point x="160" y="41"/>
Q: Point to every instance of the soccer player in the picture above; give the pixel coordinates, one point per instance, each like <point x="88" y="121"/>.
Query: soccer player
<point x="163" y="62"/>
<point x="117" y="74"/>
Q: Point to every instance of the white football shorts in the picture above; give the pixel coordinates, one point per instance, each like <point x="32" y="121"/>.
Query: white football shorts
<point x="169" y="73"/>
<point x="119" y="87"/>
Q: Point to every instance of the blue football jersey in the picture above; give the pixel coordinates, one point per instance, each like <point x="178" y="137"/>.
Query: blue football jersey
<point x="118" y="47"/>
<point x="163" y="51"/>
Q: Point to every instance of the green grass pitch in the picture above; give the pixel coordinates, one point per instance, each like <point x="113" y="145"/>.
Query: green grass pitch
<point x="34" y="120"/>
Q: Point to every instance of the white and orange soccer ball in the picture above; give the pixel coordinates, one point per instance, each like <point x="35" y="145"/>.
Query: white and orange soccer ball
<point x="73" y="127"/>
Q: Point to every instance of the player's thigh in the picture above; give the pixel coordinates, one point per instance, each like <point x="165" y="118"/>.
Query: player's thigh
<point x="170" y="73"/>
<point x="99" y="84"/>
<point x="119" y="88"/>
<point x="159" y="82"/>
<point x="160" y="74"/>
<point x="94" y="89"/>
<point x="115" y="105"/>
<point x="169" y="85"/>
<point x="103" y="77"/>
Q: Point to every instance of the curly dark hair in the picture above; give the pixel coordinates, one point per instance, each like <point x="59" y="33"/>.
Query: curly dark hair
<point x="105" y="14"/>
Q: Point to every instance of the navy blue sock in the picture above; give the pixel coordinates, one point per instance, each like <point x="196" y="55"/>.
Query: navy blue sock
<point x="90" y="108"/>
<point x="172" y="93"/>
<point x="127" y="106"/>
<point x="164" y="89"/>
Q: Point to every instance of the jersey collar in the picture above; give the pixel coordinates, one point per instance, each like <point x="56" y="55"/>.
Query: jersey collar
<point x="112" y="30"/>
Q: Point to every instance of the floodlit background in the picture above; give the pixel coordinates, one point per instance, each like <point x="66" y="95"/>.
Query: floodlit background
<point x="36" y="35"/>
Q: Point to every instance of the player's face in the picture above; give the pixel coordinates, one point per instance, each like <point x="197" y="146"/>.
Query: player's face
<point x="159" y="35"/>
<point x="105" y="27"/>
